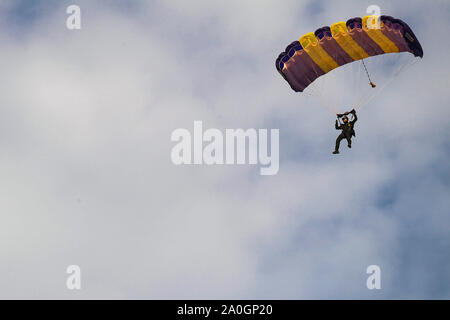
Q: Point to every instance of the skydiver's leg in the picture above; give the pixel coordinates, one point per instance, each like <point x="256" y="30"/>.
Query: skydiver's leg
<point x="349" y="141"/>
<point x="338" y="142"/>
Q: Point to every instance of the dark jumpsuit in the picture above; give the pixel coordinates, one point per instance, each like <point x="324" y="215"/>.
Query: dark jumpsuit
<point x="347" y="132"/>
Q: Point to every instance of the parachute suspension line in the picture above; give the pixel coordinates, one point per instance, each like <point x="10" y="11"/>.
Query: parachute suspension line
<point x="316" y="93"/>
<point x="329" y="98"/>
<point x="315" y="90"/>
<point x="401" y="68"/>
<point x="368" y="76"/>
<point x="358" y="95"/>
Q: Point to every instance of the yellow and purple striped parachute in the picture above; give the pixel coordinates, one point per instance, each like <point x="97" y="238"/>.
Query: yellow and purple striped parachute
<point x="316" y="54"/>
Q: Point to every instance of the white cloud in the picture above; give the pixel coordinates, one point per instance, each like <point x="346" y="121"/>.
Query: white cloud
<point x="85" y="123"/>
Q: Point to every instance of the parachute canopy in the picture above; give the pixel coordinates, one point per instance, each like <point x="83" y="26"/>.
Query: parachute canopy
<point x="316" y="54"/>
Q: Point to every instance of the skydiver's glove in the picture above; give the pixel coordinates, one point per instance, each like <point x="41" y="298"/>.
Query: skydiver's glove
<point x="353" y="111"/>
<point x="339" y="115"/>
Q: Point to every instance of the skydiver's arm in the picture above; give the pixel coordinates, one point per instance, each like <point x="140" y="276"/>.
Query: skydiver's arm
<point x="336" y="125"/>
<point x="355" y="118"/>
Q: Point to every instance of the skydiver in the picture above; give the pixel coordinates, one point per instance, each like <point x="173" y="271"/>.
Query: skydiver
<point x="346" y="127"/>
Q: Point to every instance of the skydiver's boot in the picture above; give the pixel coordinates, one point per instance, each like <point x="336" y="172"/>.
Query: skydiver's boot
<point x="335" y="152"/>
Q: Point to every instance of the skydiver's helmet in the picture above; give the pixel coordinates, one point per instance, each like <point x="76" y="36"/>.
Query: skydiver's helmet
<point x="345" y="119"/>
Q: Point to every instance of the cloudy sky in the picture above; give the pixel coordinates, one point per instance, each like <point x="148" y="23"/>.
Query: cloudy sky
<point x="86" y="176"/>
